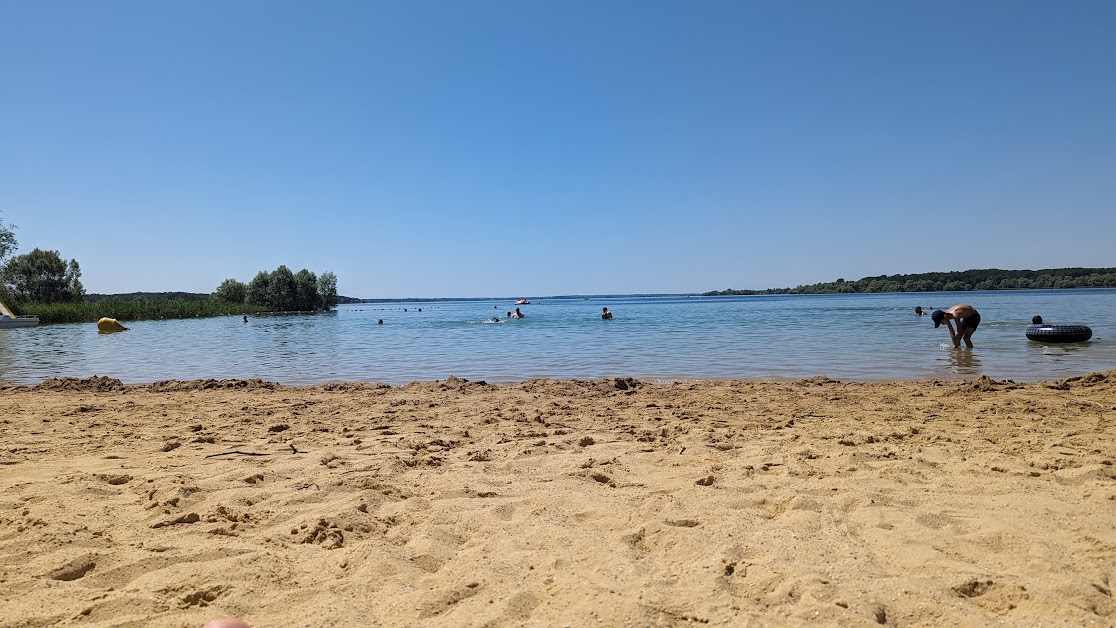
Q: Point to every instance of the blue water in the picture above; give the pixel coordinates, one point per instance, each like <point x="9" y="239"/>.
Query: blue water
<point x="849" y="337"/>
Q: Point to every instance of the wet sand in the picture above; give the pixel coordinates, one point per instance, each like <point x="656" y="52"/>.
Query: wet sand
<point x="608" y="503"/>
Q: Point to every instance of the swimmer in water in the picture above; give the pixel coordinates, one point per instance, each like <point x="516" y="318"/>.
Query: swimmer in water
<point x="605" y="314"/>
<point x="1036" y="320"/>
<point x="518" y="314"/>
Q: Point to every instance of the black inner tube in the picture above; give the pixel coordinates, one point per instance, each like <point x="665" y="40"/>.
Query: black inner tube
<point x="1059" y="333"/>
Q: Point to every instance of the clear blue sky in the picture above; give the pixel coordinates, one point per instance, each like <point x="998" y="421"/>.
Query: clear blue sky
<point x="476" y="148"/>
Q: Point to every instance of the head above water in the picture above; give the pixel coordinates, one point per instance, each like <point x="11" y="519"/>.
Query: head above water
<point x="1036" y="320"/>
<point x="937" y="316"/>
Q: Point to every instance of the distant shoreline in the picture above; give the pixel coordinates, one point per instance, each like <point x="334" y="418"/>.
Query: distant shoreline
<point x="993" y="279"/>
<point x="954" y="281"/>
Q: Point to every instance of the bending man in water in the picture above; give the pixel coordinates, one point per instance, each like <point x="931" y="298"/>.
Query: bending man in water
<point x="967" y="321"/>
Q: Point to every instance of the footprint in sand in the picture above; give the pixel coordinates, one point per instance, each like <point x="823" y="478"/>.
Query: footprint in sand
<point x="76" y="568"/>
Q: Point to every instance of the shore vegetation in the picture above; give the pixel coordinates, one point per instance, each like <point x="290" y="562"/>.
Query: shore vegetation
<point x="43" y="285"/>
<point x="154" y="309"/>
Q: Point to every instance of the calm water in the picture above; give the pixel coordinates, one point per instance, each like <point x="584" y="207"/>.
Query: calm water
<point x="843" y="336"/>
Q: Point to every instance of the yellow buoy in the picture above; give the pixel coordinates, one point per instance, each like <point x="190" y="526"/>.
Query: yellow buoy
<point x="110" y="324"/>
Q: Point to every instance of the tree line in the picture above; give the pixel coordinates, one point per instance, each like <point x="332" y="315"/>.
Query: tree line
<point x="955" y="281"/>
<point x="39" y="276"/>
<point x="282" y="290"/>
<point x="42" y="277"/>
<point x="43" y="283"/>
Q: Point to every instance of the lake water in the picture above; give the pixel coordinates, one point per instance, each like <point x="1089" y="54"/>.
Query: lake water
<point x="848" y="337"/>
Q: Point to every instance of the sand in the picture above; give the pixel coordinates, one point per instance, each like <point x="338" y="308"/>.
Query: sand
<point x="554" y="503"/>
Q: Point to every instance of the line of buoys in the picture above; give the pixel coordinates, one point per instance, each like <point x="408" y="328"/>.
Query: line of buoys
<point x="1059" y="333"/>
<point x="110" y="324"/>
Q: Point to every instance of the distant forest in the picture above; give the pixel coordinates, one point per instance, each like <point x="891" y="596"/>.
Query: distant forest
<point x="957" y="281"/>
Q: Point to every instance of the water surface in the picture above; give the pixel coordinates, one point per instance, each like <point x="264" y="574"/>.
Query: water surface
<point x="861" y="337"/>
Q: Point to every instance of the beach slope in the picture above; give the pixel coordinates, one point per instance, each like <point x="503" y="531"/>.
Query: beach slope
<point x="608" y="502"/>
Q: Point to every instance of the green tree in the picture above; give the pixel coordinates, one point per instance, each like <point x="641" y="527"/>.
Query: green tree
<point x="258" y="289"/>
<point x="8" y="243"/>
<point x="230" y="291"/>
<point x="306" y="291"/>
<point x="327" y="289"/>
<point x="43" y="277"/>
<point x="282" y="295"/>
<point x="73" y="280"/>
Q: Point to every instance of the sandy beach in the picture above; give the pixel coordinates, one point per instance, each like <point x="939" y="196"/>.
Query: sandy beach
<point x="553" y="503"/>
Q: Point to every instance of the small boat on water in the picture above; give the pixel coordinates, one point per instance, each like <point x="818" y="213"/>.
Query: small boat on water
<point x="522" y="302"/>
<point x="9" y="320"/>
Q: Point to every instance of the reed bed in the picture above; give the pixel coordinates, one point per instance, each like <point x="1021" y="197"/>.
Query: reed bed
<point x="156" y="309"/>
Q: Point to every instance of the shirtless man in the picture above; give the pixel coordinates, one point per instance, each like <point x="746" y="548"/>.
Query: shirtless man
<point x="967" y="320"/>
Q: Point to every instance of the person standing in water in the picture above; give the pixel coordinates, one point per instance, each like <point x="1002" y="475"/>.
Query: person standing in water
<point x="967" y="321"/>
<point x="605" y="314"/>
